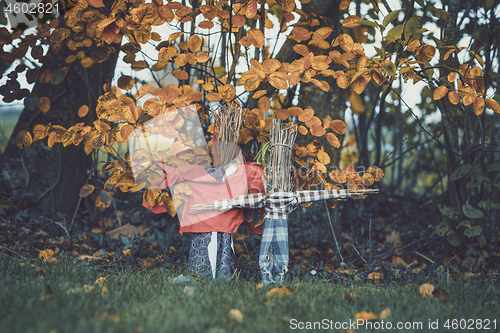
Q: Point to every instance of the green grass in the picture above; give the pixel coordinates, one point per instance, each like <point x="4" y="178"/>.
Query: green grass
<point x="147" y="301"/>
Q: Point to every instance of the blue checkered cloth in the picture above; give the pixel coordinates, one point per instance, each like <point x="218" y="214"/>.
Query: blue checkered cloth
<point x="274" y="263"/>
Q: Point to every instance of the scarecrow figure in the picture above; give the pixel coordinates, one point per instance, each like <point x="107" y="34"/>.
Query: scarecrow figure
<point x="278" y="201"/>
<point x="211" y="251"/>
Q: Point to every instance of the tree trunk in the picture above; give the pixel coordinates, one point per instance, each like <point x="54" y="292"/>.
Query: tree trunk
<point x="451" y="115"/>
<point x="47" y="180"/>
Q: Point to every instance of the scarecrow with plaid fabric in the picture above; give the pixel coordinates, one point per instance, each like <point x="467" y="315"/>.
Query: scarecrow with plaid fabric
<point x="278" y="201"/>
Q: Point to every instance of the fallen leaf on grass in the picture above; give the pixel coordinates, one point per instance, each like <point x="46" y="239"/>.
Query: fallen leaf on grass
<point x="126" y="230"/>
<point x="260" y="285"/>
<point x="236" y="315"/>
<point x="397" y="261"/>
<point x="146" y="263"/>
<point x="85" y="257"/>
<point x="385" y="313"/>
<point x="375" y="276"/>
<point x="282" y="291"/>
<point x="365" y="315"/>
<point x="427" y="289"/>
<point x="394" y="238"/>
<point x="101" y="281"/>
<point x="104" y="290"/>
<point x="46" y="255"/>
<point x="88" y="288"/>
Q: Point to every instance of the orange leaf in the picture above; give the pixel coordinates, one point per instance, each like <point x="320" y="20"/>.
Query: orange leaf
<point x="322" y="33"/>
<point x="96" y="3"/>
<point x="323" y="85"/>
<point x="306" y="115"/>
<point x="301" y="49"/>
<point x="180" y="74"/>
<point x="323" y="158"/>
<point x="365" y="315"/>
<point x="479" y="106"/>
<point x="453" y="97"/>
<point x="317" y="130"/>
<point x="24" y="139"/>
<point x="338" y="176"/>
<point x="333" y="140"/>
<point x="213" y="97"/>
<point x="493" y="105"/>
<point x="236" y="315"/>
<point x="344" y="5"/>
<point x="303" y="130"/>
<point x="282" y="291"/>
<point x="257" y="37"/>
<point x="351" y="21"/>
<point x="143" y="91"/>
<point x="338" y="126"/>
<point x="278" y="80"/>
<point x="346" y="42"/>
<point x="86" y="190"/>
<point x="206" y="25"/>
<point x="413" y="45"/>
<point x="264" y="104"/>
<point x="426" y="289"/>
<point x="301" y="33"/>
<point x="469" y="99"/>
<point x="342" y="81"/>
<point x="368" y="179"/>
<point x="194" y="43"/>
<point x="44" y="104"/>
<point x="440" y="92"/>
<point x="452" y="76"/>
<point x="83" y="110"/>
<point x="271" y="65"/>
<point x="174" y="36"/>
<point x="259" y="94"/>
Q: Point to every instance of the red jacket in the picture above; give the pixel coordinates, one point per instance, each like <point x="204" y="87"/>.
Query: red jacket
<point x="205" y="189"/>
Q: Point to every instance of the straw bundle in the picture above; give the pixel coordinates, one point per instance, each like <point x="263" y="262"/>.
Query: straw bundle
<point x="282" y="138"/>
<point x="227" y="123"/>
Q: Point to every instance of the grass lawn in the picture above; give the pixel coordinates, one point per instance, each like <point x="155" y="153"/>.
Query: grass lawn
<point x="72" y="296"/>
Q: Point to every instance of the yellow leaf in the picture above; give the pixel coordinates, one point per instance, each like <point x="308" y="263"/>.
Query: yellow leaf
<point x="426" y="289"/>
<point x="323" y="158"/>
<point x="257" y="37"/>
<point x="346" y="42"/>
<point x="322" y="33"/>
<point x="453" y="97"/>
<point x="236" y="315"/>
<point x="194" y="43"/>
<point x="385" y="313"/>
<point x="127" y="252"/>
<point x="493" y="105"/>
<point x="86" y="190"/>
<point x="365" y="315"/>
<point x="24" y="139"/>
<point x="338" y="126"/>
<point x="44" y="104"/>
<point x="46" y="255"/>
<point x="333" y="140"/>
<point x="351" y="21"/>
<point x="143" y="91"/>
<point x="213" y="97"/>
<point x="440" y="92"/>
<point x="174" y="36"/>
<point x="452" y="76"/>
<point x="479" y="106"/>
<point x="281" y="291"/>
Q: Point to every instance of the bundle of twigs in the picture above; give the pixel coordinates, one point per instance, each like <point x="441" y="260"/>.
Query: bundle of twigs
<point x="227" y="123"/>
<point x="278" y="172"/>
